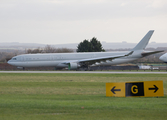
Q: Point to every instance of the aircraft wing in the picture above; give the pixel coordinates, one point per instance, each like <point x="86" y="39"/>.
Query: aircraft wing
<point x="103" y="59"/>
<point x="99" y="59"/>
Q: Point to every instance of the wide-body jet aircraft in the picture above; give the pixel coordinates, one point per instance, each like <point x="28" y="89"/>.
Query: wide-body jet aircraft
<point x="73" y="61"/>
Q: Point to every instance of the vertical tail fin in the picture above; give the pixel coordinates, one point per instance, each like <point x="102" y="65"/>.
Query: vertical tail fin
<point x="143" y="43"/>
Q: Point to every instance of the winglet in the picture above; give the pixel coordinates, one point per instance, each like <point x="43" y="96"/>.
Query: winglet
<point x="143" y="43"/>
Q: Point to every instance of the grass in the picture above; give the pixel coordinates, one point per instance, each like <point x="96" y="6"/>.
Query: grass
<point x="75" y="96"/>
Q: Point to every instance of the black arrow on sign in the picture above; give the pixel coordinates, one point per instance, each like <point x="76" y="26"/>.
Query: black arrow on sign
<point x="155" y="88"/>
<point x="113" y="89"/>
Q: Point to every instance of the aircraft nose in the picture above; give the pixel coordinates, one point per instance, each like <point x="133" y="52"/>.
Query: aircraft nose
<point x="9" y="62"/>
<point x="161" y="58"/>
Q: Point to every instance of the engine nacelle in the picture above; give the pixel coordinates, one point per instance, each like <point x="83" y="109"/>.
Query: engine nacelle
<point x="73" y="66"/>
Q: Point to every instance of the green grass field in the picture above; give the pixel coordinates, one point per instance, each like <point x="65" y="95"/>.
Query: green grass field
<point x="25" y="96"/>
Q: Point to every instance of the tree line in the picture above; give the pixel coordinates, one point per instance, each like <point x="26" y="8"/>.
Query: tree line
<point x="86" y="46"/>
<point x="49" y="49"/>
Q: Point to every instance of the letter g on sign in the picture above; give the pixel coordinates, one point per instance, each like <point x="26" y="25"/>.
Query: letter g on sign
<point x="134" y="89"/>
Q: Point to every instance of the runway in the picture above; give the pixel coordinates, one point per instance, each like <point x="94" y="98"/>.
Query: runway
<point x="94" y="72"/>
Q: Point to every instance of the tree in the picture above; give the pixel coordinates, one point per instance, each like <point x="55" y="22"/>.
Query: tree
<point x="37" y="50"/>
<point x="84" y="46"/>
<point x="93" y="46"/>
<point x="49" y="49"/>
<point x="96" y="45"/>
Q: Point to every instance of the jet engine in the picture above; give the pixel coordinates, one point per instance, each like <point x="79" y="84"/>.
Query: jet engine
<point x="73" y="66"/>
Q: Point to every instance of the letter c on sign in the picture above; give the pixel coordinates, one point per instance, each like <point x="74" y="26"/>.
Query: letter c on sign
<point x="134" y="89"/>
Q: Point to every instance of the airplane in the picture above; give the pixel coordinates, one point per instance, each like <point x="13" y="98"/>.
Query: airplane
<point x="74" y="61"/>
<point x="163" y="57"/>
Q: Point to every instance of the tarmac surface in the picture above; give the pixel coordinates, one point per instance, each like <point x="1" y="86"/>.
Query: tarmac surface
<point x="95" y="72"/>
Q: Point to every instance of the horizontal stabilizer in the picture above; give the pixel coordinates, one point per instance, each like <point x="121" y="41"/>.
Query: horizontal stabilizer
<point x="150" y="53"/>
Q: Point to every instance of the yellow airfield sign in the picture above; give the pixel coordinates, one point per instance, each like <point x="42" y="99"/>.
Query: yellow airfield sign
<point x="115" y="89"/>
<point x="153" y="88"/>
<point x="135" y="89"/>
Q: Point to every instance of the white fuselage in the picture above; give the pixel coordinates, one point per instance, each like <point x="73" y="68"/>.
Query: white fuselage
<point x="57" y="59"/>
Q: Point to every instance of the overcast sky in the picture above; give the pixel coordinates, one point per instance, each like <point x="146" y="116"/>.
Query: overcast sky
<point x="72" y="21"/>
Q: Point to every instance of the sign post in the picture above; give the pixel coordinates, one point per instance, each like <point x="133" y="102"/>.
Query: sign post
<point x="135" y="89"/>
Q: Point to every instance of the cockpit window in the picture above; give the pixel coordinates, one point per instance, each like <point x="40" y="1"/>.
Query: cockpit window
<point x="14" y="59"/>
